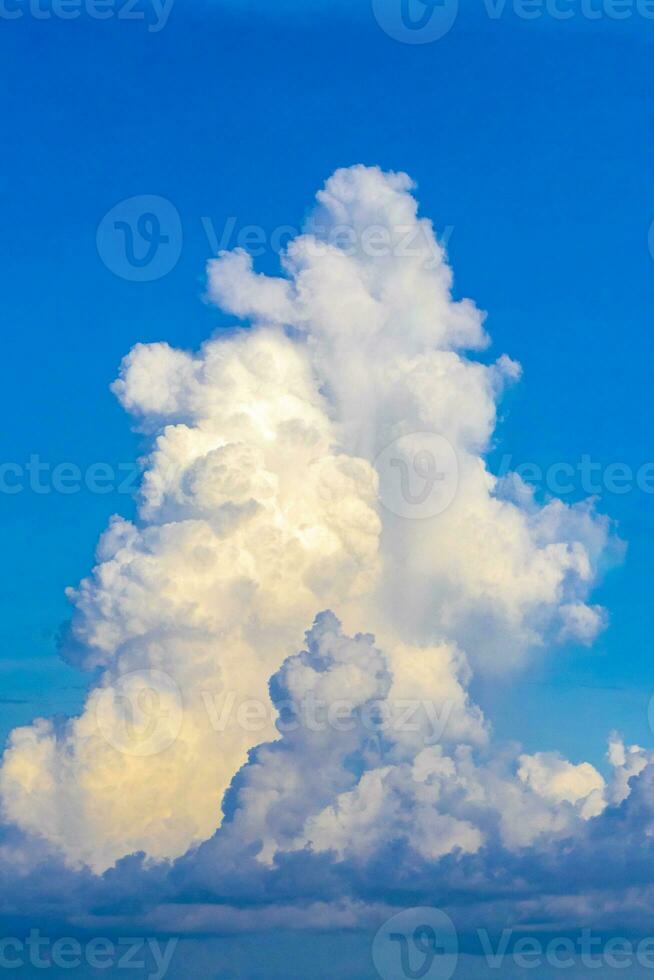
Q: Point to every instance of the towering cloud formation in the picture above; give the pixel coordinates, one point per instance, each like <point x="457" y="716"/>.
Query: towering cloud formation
<point x="329" y="455"/>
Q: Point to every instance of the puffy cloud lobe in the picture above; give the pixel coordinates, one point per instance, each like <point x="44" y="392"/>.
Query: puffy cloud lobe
<point x="261" y="506"/>
<point x="321" y="826"/>
<point x="324" y="696"/>
<point x="553" y="778"/>
<point x="344" y="778"/>
<point x="252" y="522"/>
<point x="327" y="784"/>
<point x="385" y="339"/>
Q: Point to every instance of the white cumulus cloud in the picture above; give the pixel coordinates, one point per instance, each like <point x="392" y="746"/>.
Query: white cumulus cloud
<point x="264" y="502"/>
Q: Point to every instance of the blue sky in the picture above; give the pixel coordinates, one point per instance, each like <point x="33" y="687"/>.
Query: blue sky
<point x="531" y="145"/>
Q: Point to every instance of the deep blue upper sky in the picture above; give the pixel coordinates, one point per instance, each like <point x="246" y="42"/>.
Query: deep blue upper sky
<point x="531" y="140"/>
